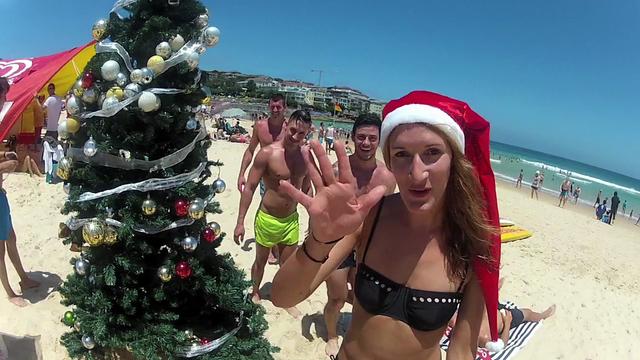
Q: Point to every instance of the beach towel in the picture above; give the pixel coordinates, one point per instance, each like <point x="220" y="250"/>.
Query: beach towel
<point x="518" y="338"/>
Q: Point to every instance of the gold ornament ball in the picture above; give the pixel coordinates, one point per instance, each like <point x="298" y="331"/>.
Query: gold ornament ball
<point x="156" y="63"/>
<point x="116" y="92"/>
<point x="164" y="273"/>
<point x="149" y="207"/>
<point x="73" y="125"/>
<point x="93" y="233"/>
<point x="99" y="29"/>
<point x="110" y="236"/>
<point x="78" y="90"/>
<point x="64" y="168"/>
<point x="196" y="209"/>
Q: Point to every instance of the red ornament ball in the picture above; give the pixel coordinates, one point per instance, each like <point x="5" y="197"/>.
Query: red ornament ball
<point x="208" y="234"/>
<point x="182" y="207"/>
<point x="204" y="341"/>
<point x="183" y="270"/>
<point x="87" y="80"/>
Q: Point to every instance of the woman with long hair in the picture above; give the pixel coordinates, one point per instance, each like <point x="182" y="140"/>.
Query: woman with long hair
<point x="422" y="253"/>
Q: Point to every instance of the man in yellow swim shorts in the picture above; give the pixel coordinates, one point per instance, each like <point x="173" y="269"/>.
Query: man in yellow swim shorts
<point x="276" y="222"/>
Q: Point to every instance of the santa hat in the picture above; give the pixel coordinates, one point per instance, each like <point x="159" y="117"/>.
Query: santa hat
<point x="469" y="132"/>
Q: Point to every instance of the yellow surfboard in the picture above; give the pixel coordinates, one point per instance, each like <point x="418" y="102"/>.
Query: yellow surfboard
<point x="513" y="233"/>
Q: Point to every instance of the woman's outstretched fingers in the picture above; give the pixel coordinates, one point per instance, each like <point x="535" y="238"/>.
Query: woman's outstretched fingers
<point x="312" y="168"/>
<point x="325" y="164"/>
<point x="344" y="167"/>
<point x="297" y="195"/>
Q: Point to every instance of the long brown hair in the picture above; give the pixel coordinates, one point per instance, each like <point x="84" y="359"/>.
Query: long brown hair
<point x="467" y="229"/>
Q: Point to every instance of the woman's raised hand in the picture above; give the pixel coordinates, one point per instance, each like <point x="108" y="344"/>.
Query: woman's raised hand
<point x="336" y="210"/>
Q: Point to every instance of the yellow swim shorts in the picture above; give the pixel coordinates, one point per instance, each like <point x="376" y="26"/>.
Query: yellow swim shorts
<point x="271" y="231"/>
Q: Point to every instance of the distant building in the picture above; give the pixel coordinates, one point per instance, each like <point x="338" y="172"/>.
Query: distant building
<point x="376" y="107"/>
<point x="262" y="83"/>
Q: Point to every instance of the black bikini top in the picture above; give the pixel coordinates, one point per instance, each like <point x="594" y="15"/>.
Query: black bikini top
<point x="420" y="309"/>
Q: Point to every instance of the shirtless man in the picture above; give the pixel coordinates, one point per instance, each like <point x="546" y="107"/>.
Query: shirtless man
<point x="276" y="222"/>
<point x="369" y="172"/>
<point x="265" y="132"/>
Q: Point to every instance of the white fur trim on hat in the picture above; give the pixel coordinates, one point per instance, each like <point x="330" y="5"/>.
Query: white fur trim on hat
<point x="421" y="113"/>
<point x="495" y="346"/>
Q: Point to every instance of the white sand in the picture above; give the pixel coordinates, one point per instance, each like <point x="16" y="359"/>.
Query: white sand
<point x="589" y="269"/>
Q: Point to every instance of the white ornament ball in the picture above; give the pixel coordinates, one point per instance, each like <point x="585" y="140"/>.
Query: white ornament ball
<point x="121" y="79"/>
<point x="148" y="101"/>
<point x="66" y="187"/>
<point x="211" y="36"/>
<point x="90" y="95"/>
<point x="163" y="49"/>
<point x="193" y="59"/>
<point x="90" y="147"/>
<point x="131" y="90"/>
<point x="136" y="76"/>
<point x="147" y="75"/>
<point x="176" y="42"/>
<point x="110" y="70"/>
<point x="109" y="102"/>
<point x="73" y="105"/>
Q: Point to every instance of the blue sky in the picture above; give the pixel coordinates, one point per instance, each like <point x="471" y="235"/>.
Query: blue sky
<point x="562" y="77"/>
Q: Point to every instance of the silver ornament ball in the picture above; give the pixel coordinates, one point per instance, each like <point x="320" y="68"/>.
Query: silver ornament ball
<point x="163" y="49"/>
<point x="193" y="59"/>
<point x="81" y="267"/>
<point x="211" y="36"/>
<point x="131" y="90"/>
<point x="109" y="102"/>
<point x="189" y="244"/>
<point x="90" y="147"/>
<point x="90" y="95"/>
<point x="73" y="105"/>
<point x="196" y="209"/>
<point x="66" y="187"/>
<point x="110" y="70"/>
<point x="63" y="133"/>
<point x="192" y="124"/>
<point x="136" y="76"/>
<point x="219" y="185"/>
<point x="202" y="21"/>
<point x="176" y="42"/>
<point x="121" y="79"/>
<point x="147" y="76"/>
<point x="215" y="227"/>
<point x="88" y="342"/>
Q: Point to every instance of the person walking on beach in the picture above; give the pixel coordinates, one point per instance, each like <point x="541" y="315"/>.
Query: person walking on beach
<point x="8" y="242"/>
<point x="53" y="107"/>
<point x="321" y="133"/>
<point x="615" y="202"/>
<point x="266" y="131"/>
<point x="276" y="221"/>
<point x="565" y="190"/>
<point x="576" y="194"/>
<point x="598" y="199"/>
<point x="535" y="184"/>
<point x="519" y="180"/>
<point x="369" y="173"/>
<point x="329" y="138"/>
<point x="624" y="207"/>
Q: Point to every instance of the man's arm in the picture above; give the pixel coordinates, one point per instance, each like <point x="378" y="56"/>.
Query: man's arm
<point x="255" y="174"/>
<point x="247" y="157"/>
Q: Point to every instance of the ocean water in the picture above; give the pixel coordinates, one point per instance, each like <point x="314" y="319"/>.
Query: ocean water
<point x="507" y="160"/>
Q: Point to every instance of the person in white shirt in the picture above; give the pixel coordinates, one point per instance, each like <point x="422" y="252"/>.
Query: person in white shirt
<point x="53" y="106"/>
<point x="329" y="137"/>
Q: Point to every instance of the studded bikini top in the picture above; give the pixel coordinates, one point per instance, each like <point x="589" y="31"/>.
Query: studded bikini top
<point x="421" y="310"/>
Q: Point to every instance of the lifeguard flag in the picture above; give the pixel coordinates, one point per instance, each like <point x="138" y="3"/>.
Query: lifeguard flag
<point x="338" y="108"/>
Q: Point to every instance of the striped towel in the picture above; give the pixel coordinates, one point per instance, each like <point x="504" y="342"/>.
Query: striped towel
<point x="518" y="338"/>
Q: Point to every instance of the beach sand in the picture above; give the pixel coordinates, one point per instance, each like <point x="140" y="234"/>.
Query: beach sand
<point x="589" y="269"/>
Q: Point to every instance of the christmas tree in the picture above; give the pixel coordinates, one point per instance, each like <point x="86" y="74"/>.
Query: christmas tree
<point x="148" y="282"/>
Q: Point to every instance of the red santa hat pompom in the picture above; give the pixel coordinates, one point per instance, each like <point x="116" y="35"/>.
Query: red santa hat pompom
<point x="469" y="132"/>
